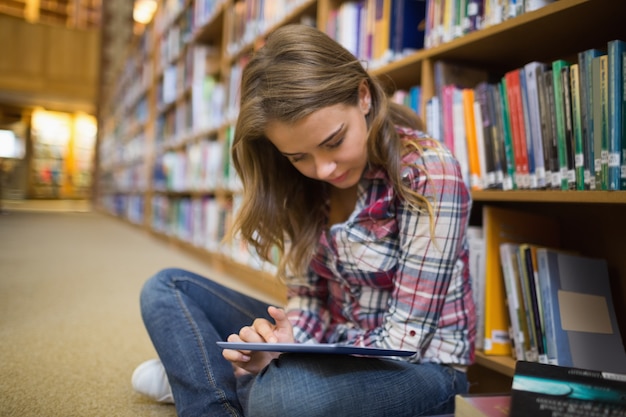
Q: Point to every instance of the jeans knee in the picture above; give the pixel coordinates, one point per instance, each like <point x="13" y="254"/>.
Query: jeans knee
<point x="155" y="288"/>
<point x="285" y="388"/>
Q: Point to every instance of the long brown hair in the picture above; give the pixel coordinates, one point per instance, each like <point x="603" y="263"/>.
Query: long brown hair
<point x="298" y="71"/>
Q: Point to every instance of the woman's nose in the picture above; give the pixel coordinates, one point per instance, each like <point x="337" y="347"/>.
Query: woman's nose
<point x="324" y="168"/>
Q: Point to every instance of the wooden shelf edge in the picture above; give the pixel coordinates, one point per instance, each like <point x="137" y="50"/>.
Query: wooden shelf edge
<point x="504" y="365"/>
<point x="550" y="196"/>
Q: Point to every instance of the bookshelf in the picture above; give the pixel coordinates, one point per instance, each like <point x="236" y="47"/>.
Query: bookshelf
<point x="139" y="155"/>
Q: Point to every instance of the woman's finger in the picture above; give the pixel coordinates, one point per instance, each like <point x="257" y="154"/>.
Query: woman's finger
<point x="265" y="330"/>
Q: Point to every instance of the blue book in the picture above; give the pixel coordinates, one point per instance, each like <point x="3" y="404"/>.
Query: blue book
<point x="616" y="79"/>
<point x="623" y="167"/>
<point x="407" y="26"/>
<point x="415" y="98"/>
<point x="580" y="319"/>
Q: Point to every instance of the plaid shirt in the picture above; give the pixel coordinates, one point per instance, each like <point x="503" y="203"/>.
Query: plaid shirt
<point x="379" y="280"/>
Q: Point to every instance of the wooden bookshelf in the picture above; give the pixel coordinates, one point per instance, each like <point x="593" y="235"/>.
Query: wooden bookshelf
<point x="592" y="222"/>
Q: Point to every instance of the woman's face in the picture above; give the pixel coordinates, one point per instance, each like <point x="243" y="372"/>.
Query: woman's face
<point x="329" y="144"/>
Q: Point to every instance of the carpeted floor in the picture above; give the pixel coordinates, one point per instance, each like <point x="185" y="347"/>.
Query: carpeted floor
<point x="70" y="328"/>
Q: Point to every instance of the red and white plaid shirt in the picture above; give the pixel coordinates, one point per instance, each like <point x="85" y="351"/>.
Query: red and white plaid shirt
<point x="380" y="280"/>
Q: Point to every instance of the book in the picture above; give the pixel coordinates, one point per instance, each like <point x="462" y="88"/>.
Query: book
<point x="545" y="125"/>
<point x="500" y="226"/>
<point x="480" y="143"/>
<point x="476" y="244"/>
<point x="532" y="182"/>
<point x="532" y="301"/>
<point x="460" y="134"/>
<point x="580" y="318"/>
<point x="471" y="140"/>
<point x="616" y="49"/>
<point x="552" y="143"/>
<point x="407" y="27"/>
<point x="579" y="155"/>
<point x="559" y="110"/>
<point x="488" y="125"/>
<point x="510" y="175"/>
<point x="518" y="128"/>
<point x="482" y="405"/>
<point x="381" y="49"/>
<point x="540" y="390"/>
<point x="569" y="127"/>
<point x="600" y="135"/>
<point x="533" y="72"/>
<point x="515" y="301"/>
<point x="586" y="103"/>
<point x="623" y="164"/>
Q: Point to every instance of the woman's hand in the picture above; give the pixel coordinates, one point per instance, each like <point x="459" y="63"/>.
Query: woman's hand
<point x="261" y="331"/>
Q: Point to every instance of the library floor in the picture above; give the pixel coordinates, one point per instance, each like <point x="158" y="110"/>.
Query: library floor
<point x="70" y="328"/>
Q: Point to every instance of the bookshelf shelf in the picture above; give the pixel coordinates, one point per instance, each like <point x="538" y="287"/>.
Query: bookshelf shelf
<point x="546" y="196"/>
<point x="592" y="221"/>
<point x="502" y="364"/>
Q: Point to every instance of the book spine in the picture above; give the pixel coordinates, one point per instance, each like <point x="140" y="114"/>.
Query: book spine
<point x="518" y="135"/>
<point x="623" y="164"/>
<point x="578" y="128"/>
<point x="615" y="51"/>
<point x="553" y="140"/>
<point x="510" y="179"/>
<point x="473" y="157"/>
<point x="569" y="130"/>
<point x="486" y="125"/>
<point x="557" y="85"/>
<point x="530" y="146"/>
<point x="499" y="156"/>
<point x="544" y="123"/>
<point x="533" y="73"/>
<point x="480" y="142"/>
<point x="507" y="251"/>
<point x="596" y="123"/>
<point x="604" y="121"/>
<point x="460" y="138"/>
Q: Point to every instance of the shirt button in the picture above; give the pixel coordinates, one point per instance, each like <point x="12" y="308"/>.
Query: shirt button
<point x="412" y="333"/>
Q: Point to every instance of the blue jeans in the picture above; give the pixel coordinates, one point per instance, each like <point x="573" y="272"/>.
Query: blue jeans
<point x="185" y="314"/>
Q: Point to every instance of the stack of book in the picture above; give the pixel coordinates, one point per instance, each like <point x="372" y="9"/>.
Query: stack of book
<point x="541" y="303"/>
<point x="546" y="125"/>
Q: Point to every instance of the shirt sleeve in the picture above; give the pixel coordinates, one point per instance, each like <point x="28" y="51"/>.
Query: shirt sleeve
<point x="429" y="286"/>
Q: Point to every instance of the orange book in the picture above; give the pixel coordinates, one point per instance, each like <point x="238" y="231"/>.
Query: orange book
<point x="475" y="177"/>
<point x="507" y="226"/>
<point x="382" y="18"/>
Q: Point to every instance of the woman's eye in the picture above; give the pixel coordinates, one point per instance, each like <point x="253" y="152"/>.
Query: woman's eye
<point x="296" y="159"/>
<point x="336" y="143"/>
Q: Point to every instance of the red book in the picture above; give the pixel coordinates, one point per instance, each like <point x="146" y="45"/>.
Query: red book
<point x="518" y="129"/>
<point x="482" y="405"/>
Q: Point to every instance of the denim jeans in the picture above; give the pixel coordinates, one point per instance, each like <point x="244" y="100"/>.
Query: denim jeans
<point x="185" y="314"/>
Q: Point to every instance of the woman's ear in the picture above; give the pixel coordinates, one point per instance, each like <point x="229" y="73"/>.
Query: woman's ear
<point x="365" y="97"/>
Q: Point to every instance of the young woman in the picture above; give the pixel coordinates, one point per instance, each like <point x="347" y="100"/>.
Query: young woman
<point x="369" y="216"/>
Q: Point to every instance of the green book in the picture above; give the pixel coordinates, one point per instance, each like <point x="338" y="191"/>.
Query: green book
<point x="557" y="66"/>
<point x="508" y="139"/>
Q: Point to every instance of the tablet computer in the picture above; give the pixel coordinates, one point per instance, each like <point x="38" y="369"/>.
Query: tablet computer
<point x="328" y="348"/>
